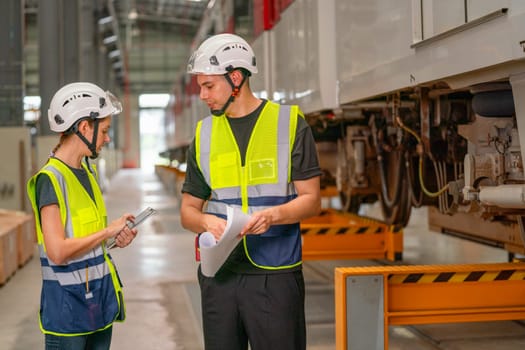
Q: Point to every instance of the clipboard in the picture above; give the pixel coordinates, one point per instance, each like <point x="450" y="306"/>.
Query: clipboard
<point x="143" y="215"/>
<point x="140" y="218"/>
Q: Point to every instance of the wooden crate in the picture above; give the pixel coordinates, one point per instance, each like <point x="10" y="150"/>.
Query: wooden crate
<point x="8" y="250"/>
<point x="26" y="234"/>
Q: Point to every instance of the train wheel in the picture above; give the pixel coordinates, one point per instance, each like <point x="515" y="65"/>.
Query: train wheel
<point x="521" y="223"/>
<point x="396" y="211"/>
<point x="349" y="203"/>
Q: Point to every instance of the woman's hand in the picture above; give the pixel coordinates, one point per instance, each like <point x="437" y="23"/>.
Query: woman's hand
<point x="125" y="237"/>
<point x="114" y="227"/>
<point x="120" y="230"/>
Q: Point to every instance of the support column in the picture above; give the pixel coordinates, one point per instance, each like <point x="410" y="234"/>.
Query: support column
<point x="11" y="67"/>
<point x="87" y="33"/>
<point x="15" y="161"/>
<point x="59" y="53"/>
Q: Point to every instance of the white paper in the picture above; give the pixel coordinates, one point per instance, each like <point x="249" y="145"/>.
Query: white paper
<point x="214" y="253"/>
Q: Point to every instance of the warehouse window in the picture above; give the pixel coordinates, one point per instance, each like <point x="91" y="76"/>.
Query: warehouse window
<point x="152" y="110"/>
<point x="31" y="109"/>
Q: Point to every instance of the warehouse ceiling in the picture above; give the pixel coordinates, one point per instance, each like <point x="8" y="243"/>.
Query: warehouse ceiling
<point x="154" y="37"/>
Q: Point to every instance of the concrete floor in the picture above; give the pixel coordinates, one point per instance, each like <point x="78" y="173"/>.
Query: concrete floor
<point x="162" y="295"/>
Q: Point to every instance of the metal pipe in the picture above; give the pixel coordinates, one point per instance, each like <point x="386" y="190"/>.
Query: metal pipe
<point x="360" y="157"/>
<point x="504" y="196"/>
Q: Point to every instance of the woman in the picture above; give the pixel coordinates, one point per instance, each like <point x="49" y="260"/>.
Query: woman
<point x="81" y="291"/>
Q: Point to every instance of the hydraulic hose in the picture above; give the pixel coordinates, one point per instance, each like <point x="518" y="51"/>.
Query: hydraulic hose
<point x="423" y="187"/>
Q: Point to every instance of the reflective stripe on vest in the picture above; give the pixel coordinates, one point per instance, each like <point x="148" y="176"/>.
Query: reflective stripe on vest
<point x="263" y="182"/>
<point x="84" y="295"/>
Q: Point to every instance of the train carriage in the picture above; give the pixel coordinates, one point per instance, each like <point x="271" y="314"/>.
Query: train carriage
<point x="412" y="102"/>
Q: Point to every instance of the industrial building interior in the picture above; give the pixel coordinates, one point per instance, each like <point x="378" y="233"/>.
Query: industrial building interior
<point x="132" y="48"/>
<point x="139" y="49"/>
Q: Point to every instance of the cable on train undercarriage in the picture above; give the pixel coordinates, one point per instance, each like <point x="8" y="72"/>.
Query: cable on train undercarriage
<point x="421" y="154"/>
<point x="417" y="201"/>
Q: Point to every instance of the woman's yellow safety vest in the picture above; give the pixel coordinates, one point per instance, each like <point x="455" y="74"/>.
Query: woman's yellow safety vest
<point x="84" y="295"/>
<point x="264" y="180"/>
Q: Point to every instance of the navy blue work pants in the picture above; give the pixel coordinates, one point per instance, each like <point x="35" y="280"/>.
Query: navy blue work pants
<point x="95" y="341"/>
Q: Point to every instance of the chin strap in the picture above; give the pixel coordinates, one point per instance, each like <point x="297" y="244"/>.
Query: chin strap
<point x="93" y="144"/>
<point x="86" y="158"/>
<point x="235" y="93"/>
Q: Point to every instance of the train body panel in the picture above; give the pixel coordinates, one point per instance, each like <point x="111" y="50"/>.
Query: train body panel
<point x="262" y="83"/>
<point x="370" y="67"/>
<point x="304" y="64"/>
<point x="412" y="103"/>
<point x="398" y="56"/>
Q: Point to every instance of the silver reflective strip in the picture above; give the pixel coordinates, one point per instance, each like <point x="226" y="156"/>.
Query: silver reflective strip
<point x="220" y="208"/>
<point x="216" y="207"/>
<point x="278" y="189"/>
<point x="41" y="251"/>
<point x="62" y="182"/>
<point x="93" y="253"/>
<point x="283" y="138"/>
<point x="227" y="193"/>
<point x="205" y="143"/>
<point x="255" y="191"/>
<point x="76" y="277"/>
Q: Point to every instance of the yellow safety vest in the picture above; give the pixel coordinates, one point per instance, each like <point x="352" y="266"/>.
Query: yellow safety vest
<point x="84" y="295"/>
<point x="264" y="180"/>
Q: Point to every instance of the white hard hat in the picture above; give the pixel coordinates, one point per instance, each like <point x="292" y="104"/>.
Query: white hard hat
<point x="78" y="101"/>
<point x="220" y="54"/>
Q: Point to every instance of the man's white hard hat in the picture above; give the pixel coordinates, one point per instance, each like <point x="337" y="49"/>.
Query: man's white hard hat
<point x="221" y="54"/>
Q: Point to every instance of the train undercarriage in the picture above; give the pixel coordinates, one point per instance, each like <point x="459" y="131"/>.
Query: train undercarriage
<point x="455" y="151"/>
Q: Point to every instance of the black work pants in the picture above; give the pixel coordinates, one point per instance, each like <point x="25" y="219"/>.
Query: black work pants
<point x="266" y="310"/>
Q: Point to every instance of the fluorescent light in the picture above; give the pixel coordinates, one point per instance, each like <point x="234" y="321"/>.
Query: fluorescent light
<point x="133" y="15"/>
<point x="154" y="100"/>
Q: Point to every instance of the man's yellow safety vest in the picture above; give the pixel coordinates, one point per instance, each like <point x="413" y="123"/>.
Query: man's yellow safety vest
<point x="264" y="180"/>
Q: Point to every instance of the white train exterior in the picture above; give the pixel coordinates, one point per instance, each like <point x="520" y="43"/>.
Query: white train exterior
<point x="413" y="103"/>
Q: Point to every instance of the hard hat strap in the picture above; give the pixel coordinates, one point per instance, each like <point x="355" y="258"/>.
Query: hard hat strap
<point x="93" y="144"/>
<point x="235" y="93"/>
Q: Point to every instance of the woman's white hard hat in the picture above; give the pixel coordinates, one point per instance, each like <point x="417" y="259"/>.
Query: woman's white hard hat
<point x="77" y="101"/>
<point x="221" y="54"/>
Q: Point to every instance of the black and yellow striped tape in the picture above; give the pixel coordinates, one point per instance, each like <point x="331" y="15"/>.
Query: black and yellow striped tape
<point x="341" y="230"/>
<point x="457" y="277"/>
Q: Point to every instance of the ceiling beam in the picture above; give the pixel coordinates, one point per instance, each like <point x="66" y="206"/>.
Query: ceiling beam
<point x="194" y="23"/>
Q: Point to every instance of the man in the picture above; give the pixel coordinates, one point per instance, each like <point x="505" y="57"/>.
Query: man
<point x="261" y="157"/>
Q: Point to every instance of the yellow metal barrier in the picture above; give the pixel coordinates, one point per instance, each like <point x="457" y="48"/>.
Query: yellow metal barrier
<point x="370" y="299"/>
<point x="337" y="235"/>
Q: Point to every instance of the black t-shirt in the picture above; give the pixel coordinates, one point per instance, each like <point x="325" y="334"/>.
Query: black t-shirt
<point x="45" y="192"/>
<point x="305" y="165"/>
